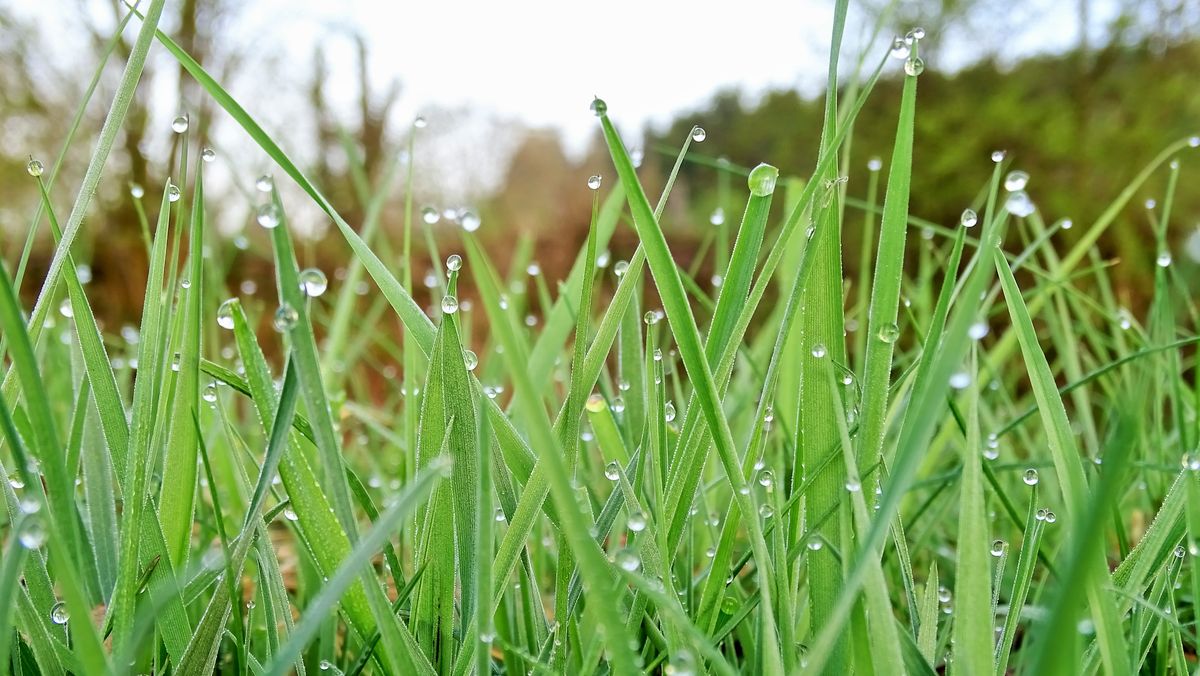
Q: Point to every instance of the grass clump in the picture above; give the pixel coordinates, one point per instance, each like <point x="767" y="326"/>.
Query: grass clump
<point x="734" y="483"/>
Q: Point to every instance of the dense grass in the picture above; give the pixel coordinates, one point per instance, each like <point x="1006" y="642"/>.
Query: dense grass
<point x="970" y="457"/>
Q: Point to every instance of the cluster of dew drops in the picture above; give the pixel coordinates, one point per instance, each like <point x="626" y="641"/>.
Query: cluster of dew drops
<point x="905" y="48"/>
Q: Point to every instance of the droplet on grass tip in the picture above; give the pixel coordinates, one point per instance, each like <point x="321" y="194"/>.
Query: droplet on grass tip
<point x="313" y="282"/>
<point x="762" y="180"/>
<point x="1066" y="224"/>
<point x="1016" y="180"/>
<point x="914" y="35"/>
<point x="593" y="182"/>
<point x="1191" y="461"/>
<point x="960" y="380"/>
<point x="136" y="191"/>
<point x="34" y="167"/>
<point x="1018" y="204"/>
<point x="652" y="317"/>
<point x="969" y="218"/>
<point x="268" y="216"/>
<point x="900" y="49"/>
<point x="717" y="217"/>
<point x="1164" y="259"/>
<point x="470" y="220"/>
<point x="814" y="544"/>
<point x="874" y="164"/>
<point x="914" y="66"/>
<point x="208" y="154"/>
<point x="998" y="547"/>
<point x="1030" y="477"/>
<point x="180" y="124"/>
<point x="225" y="314"/>
<point x="454" y="263"/>
<point x="599" y="108"/>
<point x="430" y="215"/>
<point x="977" y="330"/>
<point x="286" y="318"/>
<point x="698" y="134"/>
<point x="612" y="471"/>
<point x="173" y="193"/>
<point x="637" y="522"/>
<point x="419" y="122"/>
<point x="998" y="156"/>
<point x="620" y="268"/>
<point x="264" y="183"/>
<point x="766" y="478"/>
<point x="449" y="304"/>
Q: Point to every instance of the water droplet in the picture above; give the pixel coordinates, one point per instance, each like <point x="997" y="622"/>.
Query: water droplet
<point x="325" y="665"/>
<point x="914" y="35"/>
<point x="470" y="359"/>
<point x="628" y="560"/>
<point x="1180" y="552"/>
<point x="612" y="471"/>
<point x="657" y="356"/>
<point x="65" y="309"/>
<point x="593" y="182"/>
<point x="225" y="314"/>
<point x="454" y="263"/>
<point x="818" y="350"/>
<point x="313" y="282"/>
<point x="766" y="511"/>
<point x="889" y="332"/>
<point x="977" y="330"/>
<point x="210" y="393"/>
<point x="264" y="183"/>
<point x="33" y="534"/>
<point x="874" y="164"/>
<point x="208" y="154"/>
<point x="814" y="544"/>
<point x="173" y="193"/>
<point x="717" y="217"/>
<point x="943" y="595"/>
<point x="286" y="318"/>
<point x="637" y="522"/>
<point x="1051" y="517"/>
<point x="1164" y="259"/>
<point x="1016" y="180"/>
<point x="620" y="268"/>
<point x="599" y="108"/>
<point x="499" y="514"/>
<point x="900" y="49"/>
<point x="180" y="124"/>
<point x="669" y="412"/>
<point x="268" y="216"/>
<point x="766" y="478"/>
<point x="59" y="613"/>
<point x="762" y="180"/>
<point x="449" y="304"/>
<point x="470" y="221"/>
<point x="1018" y="204"/>
<point x="853" y="485"/>
<point x="969" y="218"/>
<point x="136" y="191"/>
<point x="711" y="552"/>
<point x="998" y="547"/>
<point x="914" y="66"/>
<point x="419" y="122"/>
<point x="960" y="380"/>
<point x="998" y="156"/>
<point x="34" y="167"/>
<point x="176" y="361"/>
<point x="652" y="316"/>
<point x="618" y="404"/>
<point x="1191" y="461"/>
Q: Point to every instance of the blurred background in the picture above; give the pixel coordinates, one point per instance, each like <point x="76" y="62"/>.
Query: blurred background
<point x="1080" y="93"/>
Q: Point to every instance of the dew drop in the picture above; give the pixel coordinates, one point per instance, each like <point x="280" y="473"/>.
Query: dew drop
<point x="1030" y="477"/>
<point x="470" y="359"/>
<point x="998" y="547"/>
<point x="264" y="183"/>
<point x="669" y="412"/>
<point x="960" y="380"/>
<point x="210" y="393"/>
<point x="59" y="614"/>
<point x="286" y="318"/>
<point x="593" y="182"/>
<point x="914" y="66"/>
<point x="499" y="514"/>
<point x="449" y="304"/>
<point x="717" y="217"/>
<point x="1164" y="259"/>
<point x="1051" y="517"/>
<point x="225" y="314"/>
<point x="652" y="317"/>
<point x="874" y="164"/>
<point x="34" y="167"/>
<point x="180" y="124"/>
<point x="454" y="263"/>
<point x="637" y="522"/>
<point x="136" y="191"/>
<point x="1018" y="204"/>
<point x="1191" y="461"/>
<point x="1180" y="552"/>
<point x="290" y="514"/>
<point x="766" y="478"/>
<point x="612" y="471"/>
<point x="914" y="35"/>
<point x="33" y="534"/>
<point x="419" y="122"/>
<point x="900" y="49"/>
<point x="889" y="332"/>
<point x="618" y="404"/>
<point x="599" y="108"/>
<point x="977" y="330"/>
<point x="698" y="134"/>
<point x="620" y="268"/>
<point x="1016" y="180"/>
<point x="766" y="511"/>
<point x="762" y="180"/>
<point x="173" y="193"/>
<point x="268" y="216"/>
<point x="1067" y="224"/>
<point x="853" y="485"/>
<point x="628" y="560"/>
<point x="998" y="156"/>
<point x="969" y="218"/>
<point x="470" y="221"/>
<point x="313" y="282"/>
<point x="208" y="154"/>
<point x="819" y="350"/>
